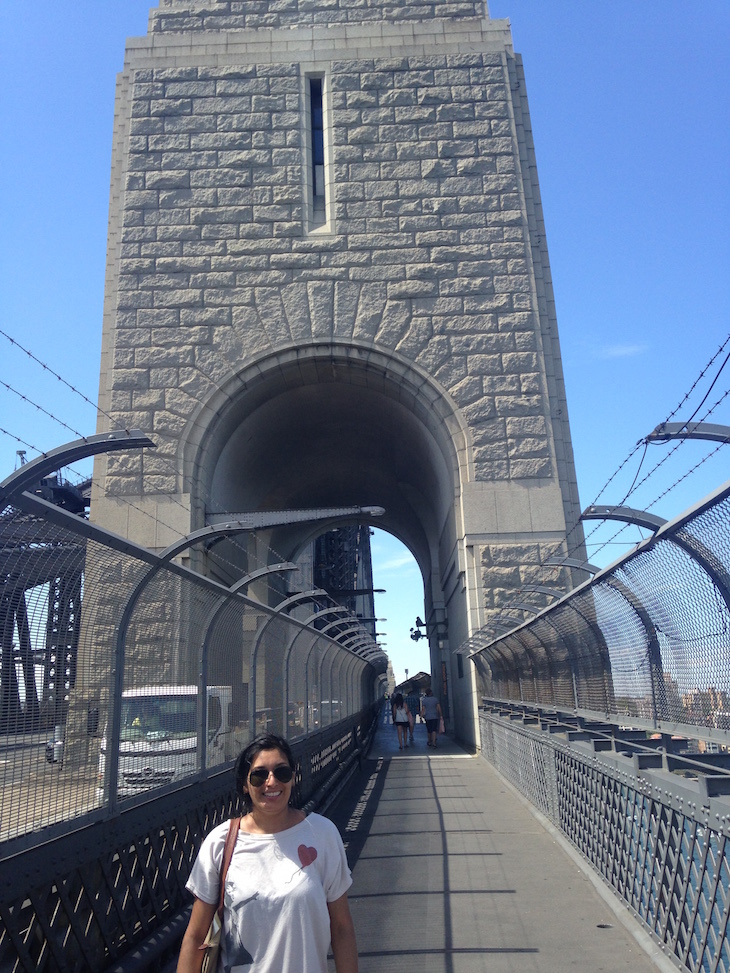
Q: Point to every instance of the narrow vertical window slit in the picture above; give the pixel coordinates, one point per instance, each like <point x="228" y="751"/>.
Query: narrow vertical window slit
<point x="317" y="155"/>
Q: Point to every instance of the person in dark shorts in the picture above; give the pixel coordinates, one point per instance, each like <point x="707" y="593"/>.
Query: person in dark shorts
<point x="431" y="713"/>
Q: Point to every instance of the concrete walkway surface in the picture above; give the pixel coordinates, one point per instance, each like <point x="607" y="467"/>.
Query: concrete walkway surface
<point x="452" y="873"/>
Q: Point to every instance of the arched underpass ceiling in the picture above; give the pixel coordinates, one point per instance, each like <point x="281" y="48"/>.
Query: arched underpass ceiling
<point x="333" y="443"/>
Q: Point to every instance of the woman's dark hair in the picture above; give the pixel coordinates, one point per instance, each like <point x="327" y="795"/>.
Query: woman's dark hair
<point x="267" y="741"/>
<point x="398" y="700"/>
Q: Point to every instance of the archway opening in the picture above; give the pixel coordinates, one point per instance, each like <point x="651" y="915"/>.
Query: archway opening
<point x="399" y="605"/>
<point x="340" y="427"/>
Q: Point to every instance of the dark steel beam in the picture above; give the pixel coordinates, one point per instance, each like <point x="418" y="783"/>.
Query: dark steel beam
<point x="689" y="430"/>
<point x="626" y="514"/>
<point x="61" y="456"/>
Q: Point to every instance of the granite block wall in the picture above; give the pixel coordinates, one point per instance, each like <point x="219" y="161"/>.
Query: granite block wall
<point x="224" y="15"/>
<point x="431" y="257"/>
<point x="428" y="252"/>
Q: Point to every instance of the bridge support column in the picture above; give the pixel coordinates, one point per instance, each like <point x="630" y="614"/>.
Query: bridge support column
<point x="311" y="316"/>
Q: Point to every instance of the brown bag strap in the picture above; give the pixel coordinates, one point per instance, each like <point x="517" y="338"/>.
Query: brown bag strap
<point x="227" y="855"/>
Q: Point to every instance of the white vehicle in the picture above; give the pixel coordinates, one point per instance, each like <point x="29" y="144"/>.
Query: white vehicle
<point x="158" y="739"/>
<point x="54" y="746"/>
<point x="331" y="710"/>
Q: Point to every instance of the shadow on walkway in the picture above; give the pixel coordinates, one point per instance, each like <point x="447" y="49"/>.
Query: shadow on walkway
<point x="453" y="874"/>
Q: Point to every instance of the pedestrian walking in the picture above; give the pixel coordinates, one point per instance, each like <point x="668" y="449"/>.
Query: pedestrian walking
<point x="431" y="713"/>
<point x="413" y="711"/>
<point x="401" y="719"/>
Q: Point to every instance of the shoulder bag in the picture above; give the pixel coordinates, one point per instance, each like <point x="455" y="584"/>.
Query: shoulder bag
<point x="212" y="942"/>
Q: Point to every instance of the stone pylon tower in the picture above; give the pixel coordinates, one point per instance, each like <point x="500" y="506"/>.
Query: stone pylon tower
<point x="328" y="284"/>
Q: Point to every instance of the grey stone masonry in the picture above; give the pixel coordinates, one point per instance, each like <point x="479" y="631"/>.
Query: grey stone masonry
<point x="431" y="256"/>
<point x="224" y="15"/>
<point x="403" y="277"/>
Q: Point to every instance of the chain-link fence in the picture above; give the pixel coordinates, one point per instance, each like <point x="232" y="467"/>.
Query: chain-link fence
<point x="645" y="642"/>
<point x="653" y="824"/>
<point x="124" y="672"/>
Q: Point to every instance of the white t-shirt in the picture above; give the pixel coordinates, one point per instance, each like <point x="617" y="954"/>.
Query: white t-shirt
<point x="277" y="889"/>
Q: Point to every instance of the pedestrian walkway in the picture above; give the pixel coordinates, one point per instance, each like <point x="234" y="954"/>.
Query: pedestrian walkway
<point x="452" y="873"/>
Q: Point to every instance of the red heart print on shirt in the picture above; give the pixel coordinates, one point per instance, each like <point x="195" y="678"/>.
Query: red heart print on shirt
<point x="306" y="855"/>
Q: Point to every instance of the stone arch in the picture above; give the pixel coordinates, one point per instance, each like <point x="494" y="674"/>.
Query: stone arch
<point x="415" y="328"/>
<point x="329" y="425"/>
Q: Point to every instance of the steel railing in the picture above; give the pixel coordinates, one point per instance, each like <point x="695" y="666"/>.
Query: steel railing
<point x="651" y="817"/>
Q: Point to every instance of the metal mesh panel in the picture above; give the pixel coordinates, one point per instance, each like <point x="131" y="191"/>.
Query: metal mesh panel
<point x="690" y="617"/>
<point x="122" y="674"/>
<point x="561" y="689"/>
<point x="646" y="642"/>
<point x="57" y="661"/>
<point x="709" y="528"/>
<point x="628" y="648"/>
<point x="651" y="839"/>
<point x="298" y="710"/>
<point x="541" y="666"/>
<point x="314" y="668"/>
<point x="327" y="686"/>
<point x="516" y="756"/>
<point x="576" y="644"/>
<point x="267" y="673"/>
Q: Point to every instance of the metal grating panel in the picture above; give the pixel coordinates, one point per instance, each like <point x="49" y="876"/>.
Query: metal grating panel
<point x="81" y="903"/>
<point x="651" y="841"/>
<point x="645" y="642"/>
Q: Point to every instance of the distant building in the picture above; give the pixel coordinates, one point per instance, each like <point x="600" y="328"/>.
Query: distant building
<point x="416" y="685"/>
<point x="700" y="705"/>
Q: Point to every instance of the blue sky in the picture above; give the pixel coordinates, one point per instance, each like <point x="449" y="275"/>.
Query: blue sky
<point x="630" y="110"/>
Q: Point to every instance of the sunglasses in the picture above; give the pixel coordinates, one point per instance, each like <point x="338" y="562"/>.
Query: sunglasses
<point x="258" y="777"/>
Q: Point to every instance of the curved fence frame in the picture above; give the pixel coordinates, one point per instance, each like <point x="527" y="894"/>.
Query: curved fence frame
<point x="646" y="641"/>
<point x="93" y="876"/>
<point x="89" y="618"/>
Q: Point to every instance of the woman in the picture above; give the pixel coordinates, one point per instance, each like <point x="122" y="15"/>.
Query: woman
<point x="401" y="718"/>
<point x="286" y="887"/>
<point x="431" y="713"/>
